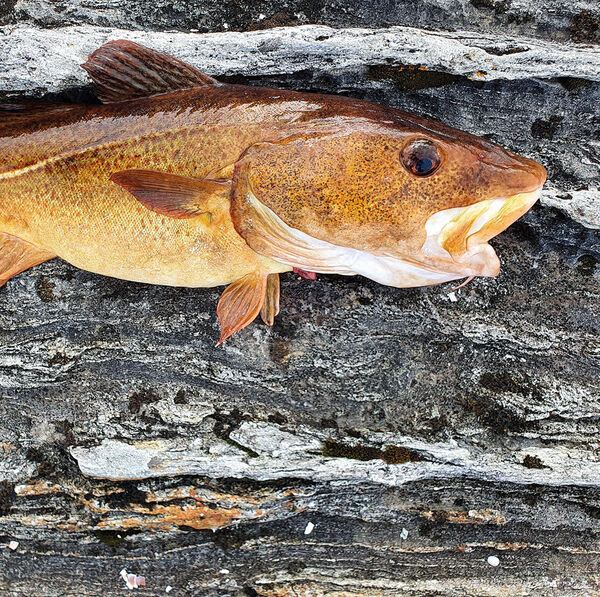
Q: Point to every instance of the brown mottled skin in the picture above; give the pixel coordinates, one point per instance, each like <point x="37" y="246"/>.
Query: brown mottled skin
<point x="66" y="204"/>
<point x="327" y="166"/>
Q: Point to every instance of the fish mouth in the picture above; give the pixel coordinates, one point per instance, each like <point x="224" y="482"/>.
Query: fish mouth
<point x="457" y="238"/>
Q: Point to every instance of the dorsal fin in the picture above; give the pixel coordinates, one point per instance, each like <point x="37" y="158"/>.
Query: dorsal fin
<point x="123" y="70"/>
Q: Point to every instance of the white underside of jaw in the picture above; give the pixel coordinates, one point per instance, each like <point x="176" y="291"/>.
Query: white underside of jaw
<point x="346" y="261"/>
<point x="306" y="252"/>
<point x="392" y="271"/>
<point x="315" y="255"/>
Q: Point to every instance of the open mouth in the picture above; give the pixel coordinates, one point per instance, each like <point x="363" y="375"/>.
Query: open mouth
<point x="457" y="238"/>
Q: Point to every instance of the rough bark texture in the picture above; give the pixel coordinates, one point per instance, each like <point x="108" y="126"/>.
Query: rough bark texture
<point x="420" y="431"/>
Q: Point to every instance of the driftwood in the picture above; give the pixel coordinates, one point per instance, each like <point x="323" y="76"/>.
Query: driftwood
<point x="428" y="435"/>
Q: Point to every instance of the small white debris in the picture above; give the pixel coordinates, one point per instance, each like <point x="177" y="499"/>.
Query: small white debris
<point x="309" y="528"/>
<point x="225" y="26"/>
<point x="168" y="589"/>
<point x="493" y="561"/>
<point x="125" y="577"/>
<point x="223" y="571"/>
<point x="13" y="545"/>
<point x="403" y="534"/>
<point x="452" y="296"/>
<point x="132" y="581"/>
<point x="262" y="17"/>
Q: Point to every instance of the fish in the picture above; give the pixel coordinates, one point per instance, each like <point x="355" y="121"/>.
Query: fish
<point x="177" y="179"/>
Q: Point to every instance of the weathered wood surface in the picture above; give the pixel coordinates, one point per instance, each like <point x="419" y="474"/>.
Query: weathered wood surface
<point x="420" y="431"/>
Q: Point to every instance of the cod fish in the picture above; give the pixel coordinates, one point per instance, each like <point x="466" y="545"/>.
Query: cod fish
<point x="180" y="180"/>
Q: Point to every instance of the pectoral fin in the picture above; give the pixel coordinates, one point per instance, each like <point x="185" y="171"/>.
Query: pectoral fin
<point x="17" y="255"/>
<point x="173" y="195"/>
<point x="123" y="70"/>
<point x="243" y="300"/>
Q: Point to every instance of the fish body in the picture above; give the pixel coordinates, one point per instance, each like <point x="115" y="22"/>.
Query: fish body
<point x="55" y="189"/>
<point x="178" y="180"/>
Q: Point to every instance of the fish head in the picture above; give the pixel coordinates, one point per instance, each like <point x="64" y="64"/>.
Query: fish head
<point x="406" y="203"/>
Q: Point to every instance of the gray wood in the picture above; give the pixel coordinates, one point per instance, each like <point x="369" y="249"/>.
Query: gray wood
<point x="420" y="431"/>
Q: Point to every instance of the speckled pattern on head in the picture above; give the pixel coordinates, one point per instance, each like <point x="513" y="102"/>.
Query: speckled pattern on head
<point x="349" y="187"/>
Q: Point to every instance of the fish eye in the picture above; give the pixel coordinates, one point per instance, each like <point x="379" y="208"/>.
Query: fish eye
<point x="420" y="157"/>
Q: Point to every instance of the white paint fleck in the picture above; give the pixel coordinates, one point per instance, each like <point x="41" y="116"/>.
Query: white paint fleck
<point x="309" y="528"/>
<point x="168" y="589"/>
<point x="493" y="561"/>
<point x="224" y="571"/>
<point x="403" y="534"/>
<point x="13" y="545"/>
<point x="452" y="296"/>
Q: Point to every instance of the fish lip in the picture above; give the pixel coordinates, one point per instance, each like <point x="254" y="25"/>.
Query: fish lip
<point x="519" y="204"/>
<point x="480" y="260"/>
<point x="478" y="257"/>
